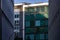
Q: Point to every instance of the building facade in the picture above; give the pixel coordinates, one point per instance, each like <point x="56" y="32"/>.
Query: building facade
<point x="35" y="21"/>
<point x="54" y="20"/>
<point x="6" y="20"/>
<point x="18" y="16"/>
<point x="18" y="19"/>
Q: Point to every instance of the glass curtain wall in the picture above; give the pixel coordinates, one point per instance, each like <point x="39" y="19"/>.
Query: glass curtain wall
<point x="36" y="23"/>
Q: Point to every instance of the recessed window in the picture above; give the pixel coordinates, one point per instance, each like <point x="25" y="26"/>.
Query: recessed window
<point x="16" y="21"/>
<point x="17" y="15"/>
<point x="37" y="23"/>
<point x="27" y="23"/>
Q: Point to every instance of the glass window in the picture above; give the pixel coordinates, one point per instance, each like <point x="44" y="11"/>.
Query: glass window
<point x="43" y="29"/>
<point x="46" y="8"/>
<point x="41" y="36"/>
<point x="46" y="22"/>
<point x="38" y="37"/>
<point x="27" y="23"/>
<point x="30" y="37"/>
<point x="42" y="9"/>
<point x="30" y="30"/>
<point x="16" y="24"/>
<point x="46" y="36"/>
<point x="16" y="21"/>
<point x="39" y="16"/>
<point x="38" y="9"/>
<point x="32" y="23"/>
<point x="30" y="9"/>
<point x="37" y="23"/>
<point x="27" y="13"/>
<point x="31" y="16"/>
<point x="17" y="15"/>
<point x="46" y="29"/>
<point x="27" y="17"/>
<point x="26" y="9"/>
<point x="42" y="23"/>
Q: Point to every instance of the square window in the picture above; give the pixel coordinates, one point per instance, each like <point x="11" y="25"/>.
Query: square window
<point x="27" y="23"/>
<point x="38" y="37"/>
<point x="16" y="22"/>
<point x="30" y="37"/>
<point x="27" y="17"/>
<point x="37" y="23"/>
<point x="41" y="36"/>
<point x="17" y="15"/>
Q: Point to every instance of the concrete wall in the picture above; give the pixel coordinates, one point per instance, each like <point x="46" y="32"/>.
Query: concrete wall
<point x="54" y="20"/>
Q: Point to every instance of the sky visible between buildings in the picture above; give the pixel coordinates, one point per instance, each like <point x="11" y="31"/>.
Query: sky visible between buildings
<point x="29" y="1"/>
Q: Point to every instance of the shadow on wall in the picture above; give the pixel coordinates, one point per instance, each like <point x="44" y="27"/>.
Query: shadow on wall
<point x="16" y="38"/>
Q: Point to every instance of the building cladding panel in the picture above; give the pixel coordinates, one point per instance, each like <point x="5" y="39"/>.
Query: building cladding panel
<point x="7" y="7"/>
<point x="54" y="20"/>
<point x="7" y="11"/>
<point x="7" y="29"/>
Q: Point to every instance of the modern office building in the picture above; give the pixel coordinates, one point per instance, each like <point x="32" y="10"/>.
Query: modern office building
<point x="18" y="19"/>
<point x="54" y="20"/>
<point x="35" y="21"/>
<point x="6" y="20"/>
